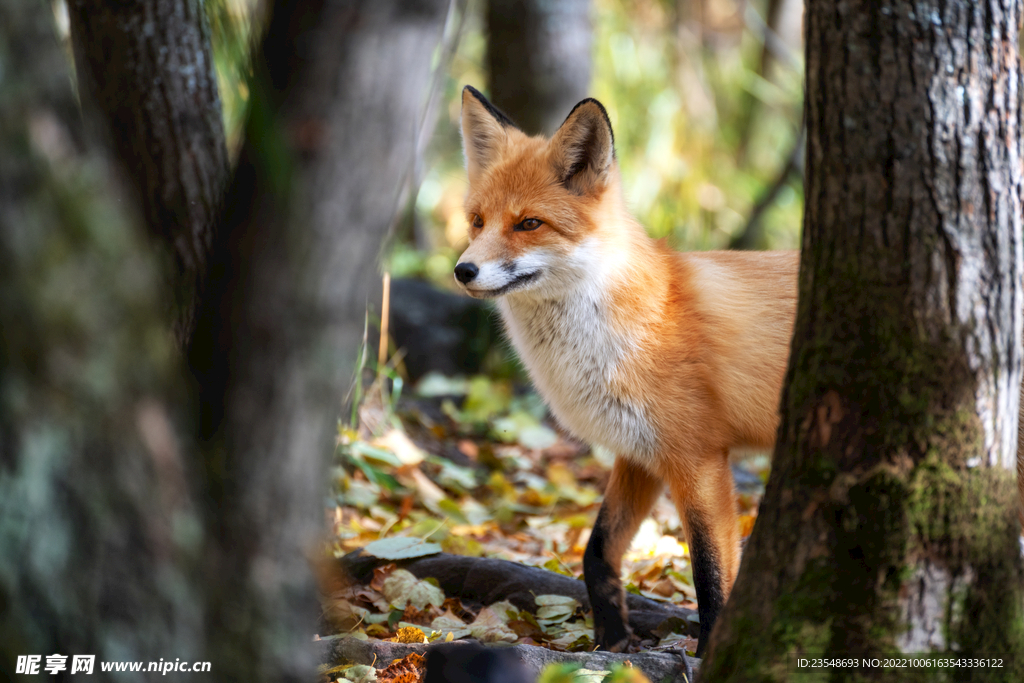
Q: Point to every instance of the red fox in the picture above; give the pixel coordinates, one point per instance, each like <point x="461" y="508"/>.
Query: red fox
<point x="668" y="359"/>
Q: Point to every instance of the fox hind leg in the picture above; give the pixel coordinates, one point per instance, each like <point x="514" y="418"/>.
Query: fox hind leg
<point x="707" y="507"/>
<point x="628" y="500"/>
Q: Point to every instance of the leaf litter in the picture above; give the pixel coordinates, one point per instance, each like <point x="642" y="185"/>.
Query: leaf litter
<point x="471" y="466"/>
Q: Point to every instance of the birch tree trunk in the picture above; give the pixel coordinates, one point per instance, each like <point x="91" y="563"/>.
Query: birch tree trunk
<point x="889" y="523"/>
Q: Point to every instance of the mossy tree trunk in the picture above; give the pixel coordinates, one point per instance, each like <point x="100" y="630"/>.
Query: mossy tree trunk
<point x="538" y="59"/>
<point x="889" y="523"/>
<point x="148" y="68"/>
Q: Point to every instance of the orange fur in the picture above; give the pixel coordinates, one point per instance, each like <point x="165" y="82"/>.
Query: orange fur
<point x="670" y="359"/>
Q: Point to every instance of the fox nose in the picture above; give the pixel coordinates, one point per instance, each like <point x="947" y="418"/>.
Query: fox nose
<point x="464" y="272"/>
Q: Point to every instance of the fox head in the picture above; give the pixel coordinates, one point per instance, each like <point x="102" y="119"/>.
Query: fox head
<point x="533" y="202"/>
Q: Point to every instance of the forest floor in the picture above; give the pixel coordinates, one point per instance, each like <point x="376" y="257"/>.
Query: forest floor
<point x="476" y="467"/>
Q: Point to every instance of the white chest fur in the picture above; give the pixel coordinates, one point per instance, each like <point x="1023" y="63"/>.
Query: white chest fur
<point x="574" y="357"/>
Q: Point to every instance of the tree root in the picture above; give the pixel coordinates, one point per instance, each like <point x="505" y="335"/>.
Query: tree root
<point x="657" y="666"/>
<point x="486" y="581"/>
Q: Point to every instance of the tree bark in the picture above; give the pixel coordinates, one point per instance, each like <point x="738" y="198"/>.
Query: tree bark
<point x="538" y="59"/>
<point x="98" y="536"/>
<point x="889" y="523"/>
<point x="336" y="103"/>
<point x="148" y="67"/>
<point x="104" y="548"/>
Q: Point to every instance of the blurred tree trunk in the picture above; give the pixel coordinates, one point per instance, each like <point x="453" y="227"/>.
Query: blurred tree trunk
<point x="538" y="59"/>
<point x="98" y="537"/>
<point x="889" y="523"/>
<point x="337" y="100"/>
<point x="149" y="69"/>
<point x="116" y="538"/>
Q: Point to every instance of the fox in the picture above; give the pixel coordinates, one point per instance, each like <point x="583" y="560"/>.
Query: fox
<point x="668" y="359"/>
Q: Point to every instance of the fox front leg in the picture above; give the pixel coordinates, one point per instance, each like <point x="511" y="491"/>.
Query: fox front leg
<point x="707" y="507"/>
<point x="628" y="500"/>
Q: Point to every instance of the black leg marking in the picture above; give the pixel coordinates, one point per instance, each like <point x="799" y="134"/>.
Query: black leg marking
<point x="607" y="598"/>
<point x="707" y="577"/>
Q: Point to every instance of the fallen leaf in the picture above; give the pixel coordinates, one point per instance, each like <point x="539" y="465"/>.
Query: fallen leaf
<point x="489" y="627"/>
<point x="436" y="384"/>
<point x="665" y="588"/>
<point x="747" y="524"/>
<point x="403" y="588"/>
<point x="408" y="634"/>
<point x="401" y="446"/>
<point x="360" y="673"/>
<point x="401" y="548"/>
<point x="407" y="670"/>
<point x="430" y="494"/>
<point x="451" y="625"/>
<point x="469" y="449"/>
<point x="380" y="573"/>
<point x="537" y="437"/>
<point x="552" y="599"/>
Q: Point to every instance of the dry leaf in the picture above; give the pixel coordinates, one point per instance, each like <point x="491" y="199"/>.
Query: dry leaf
<point x="403" y="588"/>
<point x="489" y="627"/>
<point x="408" y="634"/>
<point x="407" y="670"/>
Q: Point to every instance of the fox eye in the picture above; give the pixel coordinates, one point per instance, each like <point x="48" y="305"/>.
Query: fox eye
<point x="527" y="225"/>
<point x="477" y="221"/>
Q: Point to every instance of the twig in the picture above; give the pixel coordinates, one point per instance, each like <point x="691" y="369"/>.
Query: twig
<point x="382" y="353"/>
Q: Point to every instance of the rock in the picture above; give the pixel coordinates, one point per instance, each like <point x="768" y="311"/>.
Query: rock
<point x="439" y="331"/>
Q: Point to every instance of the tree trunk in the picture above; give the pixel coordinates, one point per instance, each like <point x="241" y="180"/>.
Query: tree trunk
<point x="538" y="59"/>
<point x="337" y="100"/>
<point x="889" y="523"/>
<point x="149" y="69"/>
<point x="98" y="537"/>
<point x="103" y="549"/>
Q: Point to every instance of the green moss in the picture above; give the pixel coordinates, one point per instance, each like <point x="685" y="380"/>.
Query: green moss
<point x="964" y="513"/>
<point x="884" y="522"/>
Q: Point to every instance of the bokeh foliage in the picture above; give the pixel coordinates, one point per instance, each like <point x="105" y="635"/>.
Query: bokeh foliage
<point x="700" y="133"/>
<point x="234" y="28"/>
<point x="679" y="85"/>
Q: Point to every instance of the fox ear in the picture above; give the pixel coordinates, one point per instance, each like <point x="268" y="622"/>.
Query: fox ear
<point x="583" y="149"/>
<point x="484" y="131"/>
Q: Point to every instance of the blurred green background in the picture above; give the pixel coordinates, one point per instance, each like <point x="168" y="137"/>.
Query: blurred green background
<point x="706" y="119"/>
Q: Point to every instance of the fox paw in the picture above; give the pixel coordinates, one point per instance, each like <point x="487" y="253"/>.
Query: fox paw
<point x="614" y="636"/>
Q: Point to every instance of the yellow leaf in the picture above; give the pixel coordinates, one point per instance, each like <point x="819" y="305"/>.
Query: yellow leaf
<point x="560" y="475"/>
<point x="746" y="524"/>
<point x="408" y="634"/>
